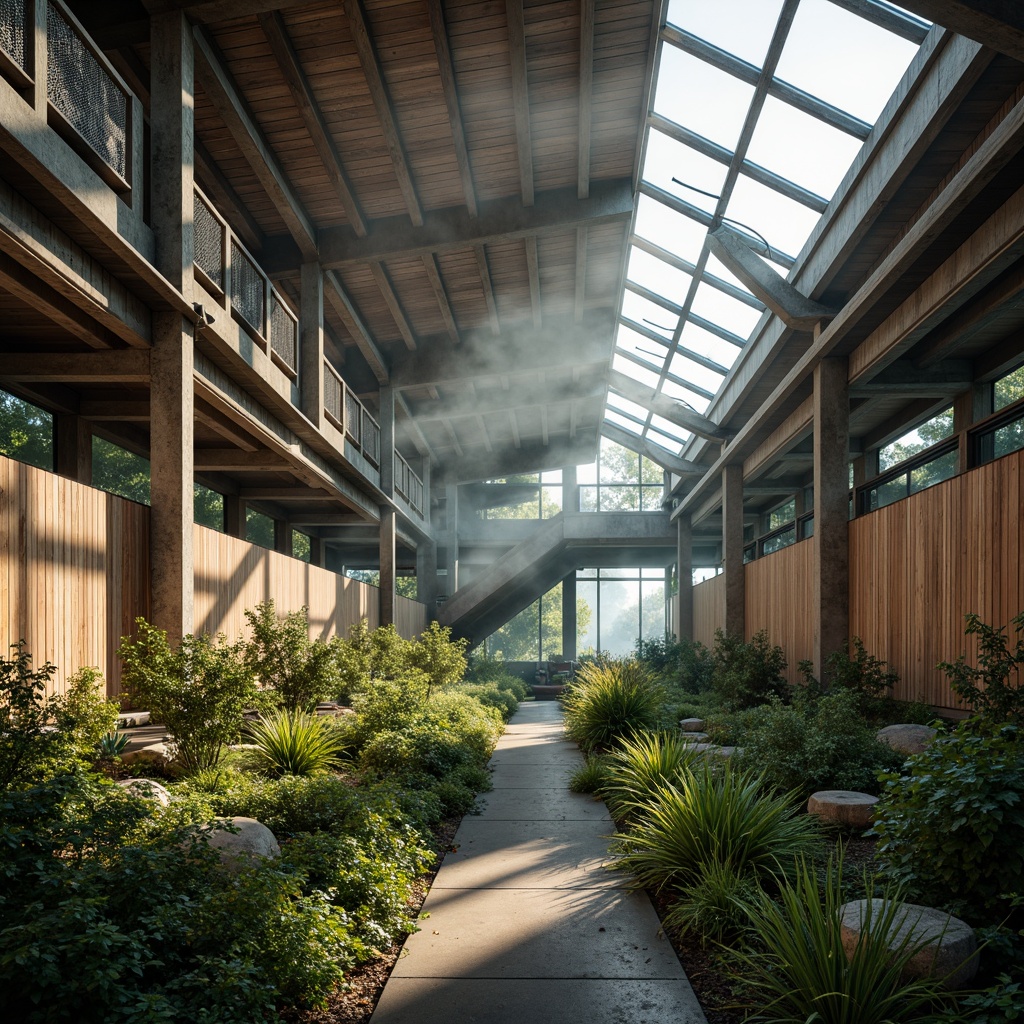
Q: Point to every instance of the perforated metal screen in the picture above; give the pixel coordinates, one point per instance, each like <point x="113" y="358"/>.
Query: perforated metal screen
<point x="12" y="30"/>
<point x="371" y="439"/>
<point x="247" y="290"/>
<point x="332" y="395"/>
<point x="209" y="242"/>
<point x="353" y="416"/>
<point x="283" y="333"/>
<point x="80" y="88"/>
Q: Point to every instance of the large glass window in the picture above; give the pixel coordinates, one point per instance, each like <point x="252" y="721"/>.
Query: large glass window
<point x="259" y="528"/>
<point x="26" y="432"/>
<point x="544" y="498"/>
<point x="938" y="428"/>
<point x="119" y="471"/>
<point x="623" y="605"/>
<point x="208" y="508"/>
<point x="620" y="481"/>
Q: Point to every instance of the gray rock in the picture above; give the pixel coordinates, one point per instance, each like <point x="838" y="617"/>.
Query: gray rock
<point x="843" y="807"/>
<point x="946" y="948"/>
<point x="148" y="789"/>
<point x="727" y="753"/>
<point x="692" y="725"/>
<point x="252" y="841"/>
<point x="155" y="753"/>
<point x="695" y="737"/>
<point x="906" y="739"/>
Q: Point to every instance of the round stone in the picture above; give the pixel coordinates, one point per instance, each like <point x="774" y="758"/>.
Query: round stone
<point x="946" y="949"/>
<point x="249" y="841"/>
<point x="155" y="753"/>
<point x="843" y="807"/>
<point x="147" y="789"/>
<point x="906" y="739"/>
<point x="692" y="725"/>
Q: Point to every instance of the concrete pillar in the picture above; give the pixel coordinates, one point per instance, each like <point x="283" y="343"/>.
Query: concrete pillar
<point x="171" y="394"/>
<point x="426" y="576"/>
<point x="569" y="638"/>
<point x="682" y="624"/>
<point x="387" y="441"/>
<point x="234" y="516"/>
<point x="831" y="583"/>
<point x="451" y="493"/>
<point x="732" y="550"/>
<point x="311" y="344"/>
<point x="387" y="565"/>
<point x="570" y="491"/>
<point x="73" y="443"/>
<point x="282" y="536"/>
<point x="316" y="550"/>
<point x="969" y="407"/>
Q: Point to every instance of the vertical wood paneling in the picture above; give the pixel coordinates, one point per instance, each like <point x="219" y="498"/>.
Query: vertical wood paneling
<point x="709" y="609"/>
<point x="778" y="598"/>
<point x="410" y="616"/>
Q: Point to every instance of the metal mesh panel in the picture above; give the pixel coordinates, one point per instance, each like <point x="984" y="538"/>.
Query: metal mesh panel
<point x="371" y="439"/>
<point x="353" y="416"/>
<point x="78" y="86"/>
<point x="12" y="30"/>
<point x="283" y="332"/>
<point x="332" y="394"/>
<point x="247" y="291"/>
<point x="209" y="242"/>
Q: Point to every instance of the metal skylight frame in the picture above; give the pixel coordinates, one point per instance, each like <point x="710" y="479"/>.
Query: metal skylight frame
<point x="765" y="84"/>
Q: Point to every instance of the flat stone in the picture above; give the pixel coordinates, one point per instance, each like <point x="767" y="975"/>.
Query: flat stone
<point x="843" y="807"/>
<point x="252" y="841"/>
<point x="154" y="753"/>
<point x="906" y="739"/>
<point x="692" y="725"/>
<point x="695" y="737"/>
<point x="948" y="949"/>
<point x="132" y="719"/>
<point x="726" y="752"/>
<point x="147" y="789"/>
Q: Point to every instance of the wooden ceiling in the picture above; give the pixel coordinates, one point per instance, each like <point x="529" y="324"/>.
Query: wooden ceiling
<point x="463" y="169"/>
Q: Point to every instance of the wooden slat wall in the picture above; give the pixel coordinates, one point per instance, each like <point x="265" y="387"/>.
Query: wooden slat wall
<point x="919" y="566"/>
<point x="410" y="616"/>
<point x="74" y="570"/>
<point x="778" y="590"/>
<point x="708" y="609"/>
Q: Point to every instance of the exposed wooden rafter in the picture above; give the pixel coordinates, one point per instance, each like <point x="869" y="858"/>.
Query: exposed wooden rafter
<point x="387" y="290"/>
<point x="441" y="293"/>
<point x="581" y="273"/>
<point x="533" y="269"/>
<point x="586" y="88"/>
<point x="520" y="97"/>
<point x="338" y="297"/>
<point x="488" y="286"/>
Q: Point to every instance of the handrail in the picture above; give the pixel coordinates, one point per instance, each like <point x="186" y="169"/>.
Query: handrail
<point x="408" y="484"/>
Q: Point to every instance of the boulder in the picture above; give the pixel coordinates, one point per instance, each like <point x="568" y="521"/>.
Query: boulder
<point x="155" y="753"/>
<point x="843" y="807"/>
<point x="132" y="719"/>
<point x="692" y="725"/>
<point x="906" y="739"/>
<point x="946" y="948"/>
<point x="695" y="737"/>
<point x="727" y="753"/>
<point x="250" y="841"/>
<point x="148" y="789"/>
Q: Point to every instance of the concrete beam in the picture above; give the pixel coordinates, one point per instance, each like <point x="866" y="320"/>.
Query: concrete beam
<point x="669" y="409"/>
<point x="530" y="458"/>
<point x="124" y="367"/>
<point x="905" y="377"/>
<point x="998" y="24"/>
<point x="227" y="460"/>
<point x="654" y="452"/>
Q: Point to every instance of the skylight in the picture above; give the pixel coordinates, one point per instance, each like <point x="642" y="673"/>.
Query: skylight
<point x="766" y="152"/>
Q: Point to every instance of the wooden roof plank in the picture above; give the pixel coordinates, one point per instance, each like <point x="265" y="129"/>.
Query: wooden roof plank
<point x="521" y="97"/>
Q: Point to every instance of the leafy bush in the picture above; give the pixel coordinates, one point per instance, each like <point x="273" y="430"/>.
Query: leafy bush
<point x="280" y="655"/>
<point x="993" y="691"/>
<point x="389" y="703"/>
<point x="82" y="713"/>
<point x="713" y="815"/>
<point x="860" y="672"/>
<point x="638" y="769"/>
<point x="24" y="744"/>
<point x="748" y="674"/>
<point x="608" y="702"/>
<point x="490" y="696"/>
<point x="198" y="691"/>
<point x="483" y="669"/>
<point x="366" y="655"/>
<point x="296" y="743"/>
<point x="441" y="658"/>
<point x="798" y="971"/>
<point x="685" y="663"/>
<point x="951" y="824"/>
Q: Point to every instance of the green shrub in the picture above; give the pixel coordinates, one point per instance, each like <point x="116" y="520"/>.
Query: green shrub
<point x="490" y="696"/>
<point x="638" y="769"/>
<point x="483" y="669"/>
<point x="610" y="701"/>
<point x="713" y="815"/>
<point x="389" y="703"/>
<point x="860" y="672"/>
<point x="296" y="743"/>
<point x="82" y="713"/>
<point x="366" y="655"/>
<point x="685" y="663"/>
<point x="748" y="674"/>
<point x="25" y="746"/>
<point x="198" y="691"/>
<point x="441" y="658"/>
<point x="280" y="655"/>
<point x="993" y="691"/>
<point x="716" y="906"/>
<point x="590" y="777"/>
<point x="951" y="824"/>
<point x="798" y="970"/>
<point x="509" y="683"/>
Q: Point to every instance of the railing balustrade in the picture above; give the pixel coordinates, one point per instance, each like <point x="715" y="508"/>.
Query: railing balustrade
<point x="350" y="416"/>
<point x="408" y="484"/>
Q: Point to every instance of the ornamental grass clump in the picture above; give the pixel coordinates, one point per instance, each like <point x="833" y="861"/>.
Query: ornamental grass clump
<point x="608" y="702"/>
<point x="643" y="763"/>
<point x="296" y="743"/>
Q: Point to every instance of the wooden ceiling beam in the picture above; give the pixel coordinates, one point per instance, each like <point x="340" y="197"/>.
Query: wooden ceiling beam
<point x="276" y="31"/>
<point x="124" y="366"/>
<point x="413" y="428"/>
<point x="287" y="494"/>
<point x="442" y="48"/>
<point x="430" y="265"/>
<point x="110" y="410"/>
<point x="514" y="424"/>
<point x="224" y="426"/>
<point x="533" y="268"/>
<point x="222" y="91"/>
<point x="391" y="300"/>
<point x="341" y="303"/>
<point x="581" y="273"/>
<point x="586" y="99"/>
<point x="996" y="23"/>
<point x="488" y="286"/>
<point x="520" y="97"/>
<point x="382" y="104"/>
<point x="223" y="195"/>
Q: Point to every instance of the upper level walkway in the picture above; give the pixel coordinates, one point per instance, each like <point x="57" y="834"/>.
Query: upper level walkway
<point x="525" y="921"/>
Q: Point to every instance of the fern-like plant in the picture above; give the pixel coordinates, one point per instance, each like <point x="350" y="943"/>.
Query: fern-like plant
<point x="296" y="743"/>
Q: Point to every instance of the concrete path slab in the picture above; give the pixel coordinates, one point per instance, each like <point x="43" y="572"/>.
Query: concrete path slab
<point x="504" y="804"/>
<point x="530" y="776"/>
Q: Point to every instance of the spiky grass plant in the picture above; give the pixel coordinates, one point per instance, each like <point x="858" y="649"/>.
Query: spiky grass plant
<point x="640" y="766"/>
<point x="608" y="702"/>
<point x="296" y="743"/>
<point x="715" y="908"/>
<point x="714" y="814"/>
<point x="798" y="970"/>
<point x="590" y="777"/>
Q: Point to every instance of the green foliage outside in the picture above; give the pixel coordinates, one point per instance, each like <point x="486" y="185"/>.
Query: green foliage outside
<point x="119" y="471"/>
<point x="994" y="690"/>
<point x="26" y="432"/>
<point x="748" y="673"/>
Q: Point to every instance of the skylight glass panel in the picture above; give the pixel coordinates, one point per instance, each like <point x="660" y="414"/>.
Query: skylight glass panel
<point x="666" y="426"/>
<point x="709" y="102"/>
<point x="801" y="148"/>
<point x="725" y="311"/>
<point x="688" y="370"/>
<point x="672" y="442"/>
<point x="843" y="59"/>
<point x="681" y="393"/>
<point x="621" y="421"/>
<point x="678" y="234"/>
<point x="667" y="159"/>
<point x="744" y="28"/>
<point x="650" y="314"/>
<point x="783" y="222"/>
<point x="704" y="343"/>
<point x="624" y="405"/>
<point x="648" y="378"/>
<point x="657" y="275"/>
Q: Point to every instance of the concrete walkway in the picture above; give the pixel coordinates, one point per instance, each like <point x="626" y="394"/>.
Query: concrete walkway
<point x="526" y="925"/>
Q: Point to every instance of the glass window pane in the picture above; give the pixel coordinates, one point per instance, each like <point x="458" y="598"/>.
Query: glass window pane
<point x="744" y="28"/>
<point x="657" y="275"/>
<point x="783" y="514"/>
<point x="588" y="499"/>
<point x="26" y="432"/>
<point x="1008" y="389"/>
<point x="938" y="428"/>
<point x="119" y="471"/>
<point x="683" y="394"/>
<point x="650" y="314"/>
<point x="725" y="311"/>
<point x="780" y="540"/>
<point x="652" y="615"/>
<point x="620" y="616"/>
<point x="934" y="472"/>
<point x="551" y="623"/>
<point x="586" y="617"/>
<point x="638" y="373"/>
<point x="300" y="546"/>
<point x="651" y="498"/>
<point x="680" y="235"/>
<point x="887" y="493"/>
<point x="784" y="223"/>
<point x="620" y="499"/>
<point x="702" y="178"/>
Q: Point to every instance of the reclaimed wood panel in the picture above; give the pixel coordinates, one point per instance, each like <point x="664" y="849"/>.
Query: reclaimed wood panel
<point x="709" y="609"/>
<point x="410" y="616"/>
<point x="74" y="570"/>
<point x="778" y="597"/>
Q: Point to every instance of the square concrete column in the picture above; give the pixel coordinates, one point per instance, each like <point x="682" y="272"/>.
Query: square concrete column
<point x="682" y="624"/>
<point x="311" y="343"/>
<point x="451" y="492"/>
<point x="316" y="550"/>
<point x="282" y="536"/>
<point x="387" y="441"/>
<point x="73" y="444"/>
<point x="387" y="565"/>
<point x="831" y="583"/>
<point x="234" y="516"/>
<point x="426" y="576"/>
<point x="732" y="551"/>
<point x="570" y="490"/>
<point x="569" y="638"/>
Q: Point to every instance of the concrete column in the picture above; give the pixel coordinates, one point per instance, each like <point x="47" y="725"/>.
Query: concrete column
<point x="73" y="443"/>
<point x="732" y="550"/>
<point x="831" y="596"/>
<point x="570" y="491"/>
<point x="234" y="516"/>
<point x="316" y="550"/>
<point x="311" y="344"/>
<point x="569" y="638"/>
<point x="969" y="407"/>
<point x="451" y="492"/>
<point x="282" y="536"/>
<point x="682" y="624"/>
<point x="426" y="575"/>
<point x="387" y="565"/>
<point x="171" y="392"/>
<point x="387" y="441"/>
